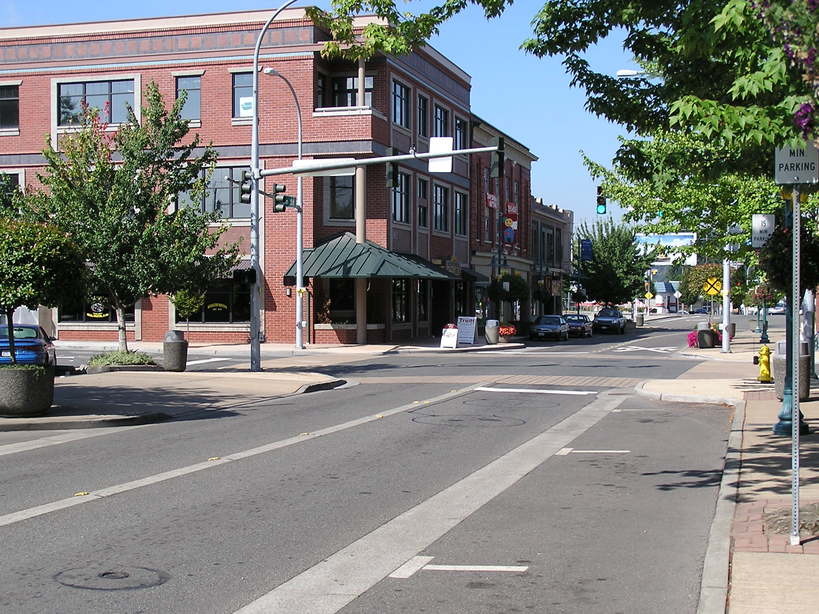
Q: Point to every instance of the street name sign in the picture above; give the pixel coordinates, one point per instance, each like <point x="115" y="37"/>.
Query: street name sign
<point x="796" y="164"/>
<point x="586" y="253"/>
<point x="762" y="227"/>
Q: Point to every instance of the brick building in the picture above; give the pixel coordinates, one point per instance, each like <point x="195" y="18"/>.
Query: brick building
<point x="428" y="221"/>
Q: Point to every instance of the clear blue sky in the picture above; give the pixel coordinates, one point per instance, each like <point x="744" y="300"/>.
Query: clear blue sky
<point x="528" y="98"/>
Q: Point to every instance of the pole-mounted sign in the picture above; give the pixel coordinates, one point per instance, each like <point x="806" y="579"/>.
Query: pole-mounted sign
<point x="762" y="227"/>
<point x="796" y="164"/>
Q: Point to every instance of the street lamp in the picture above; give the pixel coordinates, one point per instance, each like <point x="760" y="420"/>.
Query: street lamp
<point x="255" y="292"/>
<point x="299" y="218"/>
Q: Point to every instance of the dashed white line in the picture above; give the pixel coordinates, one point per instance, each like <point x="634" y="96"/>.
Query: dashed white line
<point x="536" y="391"/>
<point x="205" y="360"/>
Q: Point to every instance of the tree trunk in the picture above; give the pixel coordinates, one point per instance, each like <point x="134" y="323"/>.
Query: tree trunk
<point x="121" y="337"/>
<point x="10" y="323"/>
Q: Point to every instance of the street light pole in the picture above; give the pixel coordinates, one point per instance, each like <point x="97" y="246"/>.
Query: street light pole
<point x="255" y="291"/>
<point x="299" y="218"/>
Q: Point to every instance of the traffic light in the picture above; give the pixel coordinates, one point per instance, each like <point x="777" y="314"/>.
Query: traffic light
<point x="601" y="201"/>
<point x="280" y="200"/>
<point x="246" y="187"/>
<point x="498" y="160"/>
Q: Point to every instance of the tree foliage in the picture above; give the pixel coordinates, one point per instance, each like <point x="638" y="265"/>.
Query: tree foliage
<point x="39" y="265"/>
<point x="616" y="271"/>
<point x="113" y="193"/>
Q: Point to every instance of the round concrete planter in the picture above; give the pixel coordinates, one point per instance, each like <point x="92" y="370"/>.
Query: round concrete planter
<point x="26" y="392"/>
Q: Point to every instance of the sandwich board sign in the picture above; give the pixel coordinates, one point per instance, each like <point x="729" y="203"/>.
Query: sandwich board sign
<point x="466" y="329"/>
<point x="796" y="164"/>
<point x="449" y="338"/>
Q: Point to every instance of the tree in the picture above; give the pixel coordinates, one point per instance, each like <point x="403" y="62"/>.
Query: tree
<point x="39" y="265"/>
<point x="187" y="303"/>
<point x="616" y="272"/>
<point x="113" y="194"/>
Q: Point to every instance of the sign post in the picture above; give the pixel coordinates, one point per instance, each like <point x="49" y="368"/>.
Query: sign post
<point x="795" y="166"/>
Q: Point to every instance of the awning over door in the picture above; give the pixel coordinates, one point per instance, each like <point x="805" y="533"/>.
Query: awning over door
<point x="342" y="257"/>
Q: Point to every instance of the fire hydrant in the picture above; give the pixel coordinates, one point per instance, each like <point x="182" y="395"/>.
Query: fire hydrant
<point x="765" y="364"/>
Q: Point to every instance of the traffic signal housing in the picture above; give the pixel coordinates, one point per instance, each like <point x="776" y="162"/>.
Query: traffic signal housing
<point x="246" y="187"/>
<point x="601" y="201"/>
<point x="280" y="200"/>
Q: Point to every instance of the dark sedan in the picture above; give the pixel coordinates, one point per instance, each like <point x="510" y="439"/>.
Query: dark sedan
<point x="579" y="324"/>
<point x="549" y="327"/>
<point x="32" y="346"/>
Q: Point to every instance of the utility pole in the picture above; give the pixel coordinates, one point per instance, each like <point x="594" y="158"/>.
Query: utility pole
<point x="500" y="159"/>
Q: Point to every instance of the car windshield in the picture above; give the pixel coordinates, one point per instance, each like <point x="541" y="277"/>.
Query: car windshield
<point x="576" y="318"/>
<point x="19" y="332"/>
<point x="610" y="313"/>
<point x="553" y="320"/>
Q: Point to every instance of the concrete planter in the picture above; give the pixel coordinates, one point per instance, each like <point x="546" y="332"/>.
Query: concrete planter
<point x="26" y="392"/>
<point x="779" y="366"/>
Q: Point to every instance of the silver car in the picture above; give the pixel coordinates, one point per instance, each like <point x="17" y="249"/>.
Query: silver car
<point x="549" y="327"/>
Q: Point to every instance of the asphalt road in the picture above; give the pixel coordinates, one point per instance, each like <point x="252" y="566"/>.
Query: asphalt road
<point x="571" y="498"/>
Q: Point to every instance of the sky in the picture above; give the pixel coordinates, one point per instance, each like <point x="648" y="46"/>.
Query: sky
<point x="526" y="97"/>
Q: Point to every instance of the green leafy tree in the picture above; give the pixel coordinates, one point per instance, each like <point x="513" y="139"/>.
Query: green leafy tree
<point x="39" y="265"/>
<point x="616" y="272"/>
<point x="114" y="193"/>
<point x="187" y="303"/>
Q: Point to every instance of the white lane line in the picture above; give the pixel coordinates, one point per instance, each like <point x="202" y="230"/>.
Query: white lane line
<point x="536" y="391"/>
<point x="340" y="578"/>
<point x="485" y="568"/>
<point x="47" y="508"/>
<point x="411" y="567"/>
<point x="564" y="451"/>
<point x="601" y="451"/>
<point x="204" y="360"/>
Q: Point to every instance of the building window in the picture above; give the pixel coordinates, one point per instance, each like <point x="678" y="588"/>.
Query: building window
<point x="423" y="116"/>
<point x="226" y="301"/>
<point x="345" y="91"/>
<point x="339" y="197"/>
<point x="460" y="133"/>
<point x="220" y="195"/>
<point x="400" y="104"/>
<point x="111" y="98"/>
<point x="423" y="202"/>
<point x="9" y="107"/>
<point x="558" y="247"/>
<point x="516" y="192"/>
<point x="243" y="94"/>
<point x="400" y="198"/>
<point x="460" y="213"/>
<point x="13" y="179"/>
<point x="423" y="300"/>
<point x="400" y="300"/>
<point x="441" y="125"/>
<point x="193" y="86"/>
<point x="341" y="298"/>
<point x="440" y="208"/>
<point x="95" y="309"/>
<point x="321" y="90"/>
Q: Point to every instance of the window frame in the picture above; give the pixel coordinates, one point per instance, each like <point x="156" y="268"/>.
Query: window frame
<point x="440" y="121"/>
<point x="188" y="102"/>
<point x="460" y="212"/>
<point x="422" y="116"/>
<point x="461" y="133"/>
<point x="110" y="94"/>
<point x="423" y="220"/>
<point x="235" y="168"/>
<point x="400" y="198"/>
<point x="329" y="189"/>
<point x="235" y="112"/>
<point x="400" y="300"/>
<point x="12" y="130"/>
<point x="440" y="208"/>
<point x="350" y="93"/>
<point x="401" y="104"/>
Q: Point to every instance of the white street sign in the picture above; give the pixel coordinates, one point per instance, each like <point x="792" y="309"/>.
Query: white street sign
<point x="332" y="172"/>
<point x="796" y="165"/>
<point x="677" y="294"/>
<point x="440" y="144"/>
<point x="762" y="227"/>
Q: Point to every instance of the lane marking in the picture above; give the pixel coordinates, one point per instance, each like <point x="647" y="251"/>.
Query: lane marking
<point x="205" y="360"/>
<point x="340" y="578"/>
<point x="601" y="451"/>
<point x="564" y="451"/>
<point x="536" y="391"/>
<point x="411" y="567"/>
<point x="637" y="348"/>
<point x="40" y="510"/>
<point x="487" y="568"/>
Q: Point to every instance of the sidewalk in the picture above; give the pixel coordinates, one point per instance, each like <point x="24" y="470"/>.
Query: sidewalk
<point x="750" y="568"/>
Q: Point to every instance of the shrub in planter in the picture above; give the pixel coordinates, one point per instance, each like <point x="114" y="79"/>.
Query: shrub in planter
<point x="120" y="358"/>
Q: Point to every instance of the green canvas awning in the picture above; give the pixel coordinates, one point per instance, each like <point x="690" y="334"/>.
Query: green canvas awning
<point x="342" y="257"/>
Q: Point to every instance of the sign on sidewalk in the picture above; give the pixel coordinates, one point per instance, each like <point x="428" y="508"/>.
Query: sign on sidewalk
<point x="449" y="338"/>
<point x="466" y="329"/>
<point x="796" y="164"/>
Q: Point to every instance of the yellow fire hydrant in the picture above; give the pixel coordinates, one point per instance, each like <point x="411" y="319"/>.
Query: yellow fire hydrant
<point x="765" y="364"/>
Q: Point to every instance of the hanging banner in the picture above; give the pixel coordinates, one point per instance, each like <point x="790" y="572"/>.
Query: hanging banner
<point x="510" y="222"/>
<point x="491" y="201"/>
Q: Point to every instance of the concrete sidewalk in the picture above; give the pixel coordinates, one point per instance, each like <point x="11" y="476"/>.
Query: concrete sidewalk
<point x="750" y="568"/>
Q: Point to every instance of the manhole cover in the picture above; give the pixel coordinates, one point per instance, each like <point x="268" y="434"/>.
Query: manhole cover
<point x="112" y="578"/>
<point x="468" y="420"/>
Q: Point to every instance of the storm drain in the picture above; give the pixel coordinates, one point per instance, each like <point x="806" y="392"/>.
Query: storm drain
<point x="112" y="578"/>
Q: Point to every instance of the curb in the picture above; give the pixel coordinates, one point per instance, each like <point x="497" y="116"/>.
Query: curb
<point x="31" y="424"/>
<point x="714" y="586"/>
<point x="328" y="385"/>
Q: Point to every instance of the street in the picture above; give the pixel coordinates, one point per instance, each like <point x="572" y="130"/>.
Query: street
<point x="498" y="481"/>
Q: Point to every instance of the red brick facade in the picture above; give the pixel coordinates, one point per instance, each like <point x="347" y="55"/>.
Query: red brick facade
<point x="215" y="48"/>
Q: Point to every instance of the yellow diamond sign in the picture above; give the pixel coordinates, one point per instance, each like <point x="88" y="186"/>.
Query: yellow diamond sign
<point x="712" y="286"/>
<point x="648" y="295"/>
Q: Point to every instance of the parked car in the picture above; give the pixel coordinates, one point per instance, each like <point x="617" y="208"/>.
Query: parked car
<point x="554" y="327"/>
<point x="609" y="318"/>
<point x="702" y="309"/>
<point x="579" y="324"/>
<point x="32" y="346"/>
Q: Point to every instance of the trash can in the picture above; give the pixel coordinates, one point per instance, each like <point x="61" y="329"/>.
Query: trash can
<point x="705" y="338"/>
<point x="640" y="319"/>
<point x="778" y="362"/>
<point x="174" y="351"/>
<point x="491" y="331"/>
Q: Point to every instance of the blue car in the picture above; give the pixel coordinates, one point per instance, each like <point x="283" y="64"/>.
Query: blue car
<point x="32" y="346"/>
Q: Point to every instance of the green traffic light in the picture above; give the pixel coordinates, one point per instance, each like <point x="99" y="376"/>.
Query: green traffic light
<point x="601" y="209"/>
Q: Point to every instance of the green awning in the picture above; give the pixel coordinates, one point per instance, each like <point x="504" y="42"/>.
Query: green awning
<point x="342" y="257"/>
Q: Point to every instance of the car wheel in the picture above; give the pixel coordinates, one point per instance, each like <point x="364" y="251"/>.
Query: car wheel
<point x="565" y="336"/>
